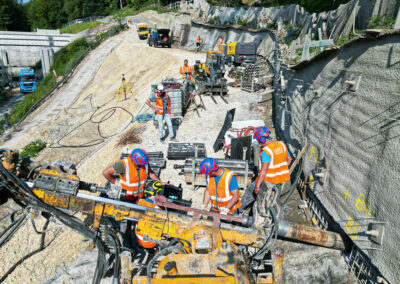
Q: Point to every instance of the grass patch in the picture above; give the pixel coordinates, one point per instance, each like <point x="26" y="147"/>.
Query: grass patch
<point x="242" y="22"/>
<point x="380" y="22"/>
<point x="346" y="38"/>
<point x="33" y="148"/>
<point x="76" y="28"/>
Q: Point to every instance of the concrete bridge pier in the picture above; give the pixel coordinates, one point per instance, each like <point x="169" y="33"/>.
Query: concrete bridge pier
<point x="47" y="55"/>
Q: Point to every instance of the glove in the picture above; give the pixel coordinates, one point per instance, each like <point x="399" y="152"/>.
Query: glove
<point x="117" y="182"/>
<point x="114" y="192"/>
<point x="204" y="207"/>
<point x="224" y="211"/>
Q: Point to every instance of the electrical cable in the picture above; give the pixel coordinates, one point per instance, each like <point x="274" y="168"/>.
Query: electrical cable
<point x="22" y="192"/>
<point x="21" y="260"/>
<point x="97" y="118"/>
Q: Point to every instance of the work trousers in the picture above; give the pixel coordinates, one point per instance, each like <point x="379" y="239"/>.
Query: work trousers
<point x="249" y="197"/>
<point x="167" y="119"/>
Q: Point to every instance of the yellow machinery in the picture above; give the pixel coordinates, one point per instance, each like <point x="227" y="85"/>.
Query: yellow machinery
<point x="238" y="52"/>
<point x="143" y="30"/>
<point x="208" y="77"/>
<point x="195" y="246"/>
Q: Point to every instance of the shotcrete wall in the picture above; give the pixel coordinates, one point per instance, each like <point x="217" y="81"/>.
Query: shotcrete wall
<point x="334" y="23"/>
<point x="355" y="131"/>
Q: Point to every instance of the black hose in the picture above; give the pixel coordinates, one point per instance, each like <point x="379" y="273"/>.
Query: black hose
<point x="274" y="232"/>
<point x="21" y="260"/>
<point x="291" y="189"/>
<point x="22" y="192"/>
<point x="169" y="249"/>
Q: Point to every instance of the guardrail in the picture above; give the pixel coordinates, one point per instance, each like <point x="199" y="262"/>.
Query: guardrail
<point x="87" y="19"/>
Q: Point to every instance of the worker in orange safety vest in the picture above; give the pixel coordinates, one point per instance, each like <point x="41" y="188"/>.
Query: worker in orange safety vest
<point x="220" y="45"/>
<point x="273" y="168"/>
<point x="198" y="40"/>
<point x="148" y="201"/>
<point x="162" y="108"/>
<point x="133" y="172"/>
<point x="185" y="70"/>
<point x="222" y="188"/>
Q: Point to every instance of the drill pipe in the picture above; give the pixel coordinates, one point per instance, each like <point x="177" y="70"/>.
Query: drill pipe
<point x="310" y="235"/>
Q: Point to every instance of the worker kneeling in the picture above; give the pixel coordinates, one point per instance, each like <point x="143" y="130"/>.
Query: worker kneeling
<point x="222" y="188"/>
<point x="148" y="201"/>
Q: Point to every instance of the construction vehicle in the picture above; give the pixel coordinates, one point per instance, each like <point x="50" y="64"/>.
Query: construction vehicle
<point x="159" y="38"/>
<point x="142" y="30"/>
<point x="237" y="53"/>
<point x="195" y="246"/>
<point x="208" y="77"/>
<point x="27" y="80"/>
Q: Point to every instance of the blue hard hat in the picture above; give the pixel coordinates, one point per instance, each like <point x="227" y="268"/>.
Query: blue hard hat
<point x="261" y="134"/>
<point x="208" y="165"/>
<point x="140" y="157"/>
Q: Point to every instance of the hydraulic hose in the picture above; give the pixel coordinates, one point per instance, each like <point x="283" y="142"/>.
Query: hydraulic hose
<point x="291" y="189"/>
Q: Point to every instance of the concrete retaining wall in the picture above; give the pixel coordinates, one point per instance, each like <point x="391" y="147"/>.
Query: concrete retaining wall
<point x="358" y="133"/>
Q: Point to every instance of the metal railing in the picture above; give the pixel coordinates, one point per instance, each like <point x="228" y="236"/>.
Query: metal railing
<point x="87" y="19"/>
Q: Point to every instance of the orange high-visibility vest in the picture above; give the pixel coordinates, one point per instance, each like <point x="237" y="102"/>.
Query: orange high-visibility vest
<point x="185" y="69"/>
<point x="139" y="235"/>
<point x="160" y="104"/>
<point x="278" y="170"/>
<point x="198" y="39"/>
<point x="221" y="196"/>
<point x="130" y="181"/>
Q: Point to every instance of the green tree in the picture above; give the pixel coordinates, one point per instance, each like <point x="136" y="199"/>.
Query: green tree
<point x="12" y="16"/>
<point x="46" y="14"/>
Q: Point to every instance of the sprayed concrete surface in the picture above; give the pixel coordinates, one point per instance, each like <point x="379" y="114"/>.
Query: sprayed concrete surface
<point x="358" y="134"/>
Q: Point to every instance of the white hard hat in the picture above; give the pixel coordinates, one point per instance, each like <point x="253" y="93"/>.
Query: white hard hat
<point x="160" y="87"/>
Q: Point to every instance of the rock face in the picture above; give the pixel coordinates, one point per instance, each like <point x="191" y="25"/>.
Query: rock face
<point x="346" y="103"/>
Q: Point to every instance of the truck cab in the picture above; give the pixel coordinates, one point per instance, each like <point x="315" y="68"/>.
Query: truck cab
<point x="27" y="80"/>
<point x="143" y="30"/>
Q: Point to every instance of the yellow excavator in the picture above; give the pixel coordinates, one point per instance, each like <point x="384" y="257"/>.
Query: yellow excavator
<point x="195" y="246"/>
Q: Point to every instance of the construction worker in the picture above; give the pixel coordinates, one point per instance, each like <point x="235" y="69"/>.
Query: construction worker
<point x="273" y="168"/>
<point x="162" y="107"/>
<point x="222" y="188"/>
<point x="220" y="45"/>
<point x="133" y="172"/>
<point x="198" y="40"/>
<point x="185" y="70"/>
<point x="148" y="201"/>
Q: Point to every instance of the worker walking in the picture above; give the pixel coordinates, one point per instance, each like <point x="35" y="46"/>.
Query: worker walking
<point x="186" y="70"/>
<point x="162" y="108"/>
<point x="148" y="201"/>
<point x="273" y="168"/>
<point x="222" y="188"/>
<point x="198" y="41"/>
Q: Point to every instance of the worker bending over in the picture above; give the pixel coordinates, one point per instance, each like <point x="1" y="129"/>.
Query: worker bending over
<point x="198" y="41"/>
<point x="222" y="188"/>
<point x="148" y="201"/>
<point x="186" y="70"/>
<point x="133" y="172"/>
<point x="162" y="108"/>
<point x="273" y="168"/>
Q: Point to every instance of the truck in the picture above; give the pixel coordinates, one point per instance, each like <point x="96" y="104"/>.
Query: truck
<point x="27" y="80"/>
<point x="143" y="30"/>
<point x="159" y="37"/>
<point x="238" y="52"/>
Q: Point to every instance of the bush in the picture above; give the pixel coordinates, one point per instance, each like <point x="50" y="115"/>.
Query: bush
<point x="242" y="22"/>
<point x="273" y="25"/>
<point x="76" y="28"/>
<point x="379" y="22"/>
<point x="200" y="13"/>
<point x="33" y="148"/>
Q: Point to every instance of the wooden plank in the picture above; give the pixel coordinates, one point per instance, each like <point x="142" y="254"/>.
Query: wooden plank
<point x="302" y="152"/>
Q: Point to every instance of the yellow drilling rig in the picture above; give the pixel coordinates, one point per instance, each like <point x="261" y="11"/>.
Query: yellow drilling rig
<point x="194" y="246"/>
